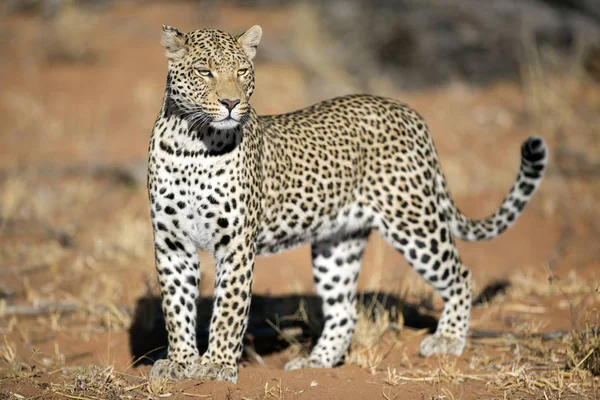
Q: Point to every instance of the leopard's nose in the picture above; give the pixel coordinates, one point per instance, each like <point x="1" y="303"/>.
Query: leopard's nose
<point x="230" y="104"/>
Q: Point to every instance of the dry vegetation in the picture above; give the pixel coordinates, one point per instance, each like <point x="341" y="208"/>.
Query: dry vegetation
<point x="76" y="243"/>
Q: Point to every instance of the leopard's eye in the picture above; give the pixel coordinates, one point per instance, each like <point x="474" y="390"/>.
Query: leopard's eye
<point x="203" y="73"/>
<point x="242" y="71"/>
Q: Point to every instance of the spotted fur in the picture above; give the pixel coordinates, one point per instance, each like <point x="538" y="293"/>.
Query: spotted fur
<point x="224" y="180"/>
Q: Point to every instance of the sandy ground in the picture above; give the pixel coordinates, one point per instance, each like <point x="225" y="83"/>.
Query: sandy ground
<point x="78" y="100"/>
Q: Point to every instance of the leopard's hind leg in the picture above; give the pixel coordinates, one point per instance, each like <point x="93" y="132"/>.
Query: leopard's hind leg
<point x="336" y="265"/>
<point x="430" y="249"/>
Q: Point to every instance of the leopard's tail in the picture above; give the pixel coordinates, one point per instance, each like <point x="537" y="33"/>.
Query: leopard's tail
<point x="534" y="160"/>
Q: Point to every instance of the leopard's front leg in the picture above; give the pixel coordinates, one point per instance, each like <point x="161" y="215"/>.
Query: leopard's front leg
<point x="177" y="269"/>
<point x="234" y="258"/>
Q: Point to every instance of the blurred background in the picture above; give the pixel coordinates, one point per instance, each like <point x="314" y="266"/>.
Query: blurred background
<point x="82" y="81"/>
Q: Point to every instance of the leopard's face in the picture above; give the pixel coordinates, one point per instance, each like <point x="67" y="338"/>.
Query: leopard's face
<point x="211" y="75"/>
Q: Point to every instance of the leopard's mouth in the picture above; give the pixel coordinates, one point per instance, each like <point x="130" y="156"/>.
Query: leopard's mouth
<point x="226" y="123"/>
<point x="233" y="120"/>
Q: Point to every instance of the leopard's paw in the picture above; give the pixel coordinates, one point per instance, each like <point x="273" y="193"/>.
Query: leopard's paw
<point x="216" y="372"/>
<point x="304" y="362"/>
<point x="168" y="369"/>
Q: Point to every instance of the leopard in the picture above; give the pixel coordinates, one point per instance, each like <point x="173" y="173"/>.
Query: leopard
<point x="223" y="180"/>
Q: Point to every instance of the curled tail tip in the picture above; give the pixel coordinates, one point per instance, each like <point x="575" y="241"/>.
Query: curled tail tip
<point x="534" y="160"/>
<point x="534" y="150"/>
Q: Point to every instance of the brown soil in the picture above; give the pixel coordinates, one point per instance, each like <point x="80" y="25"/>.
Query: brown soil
<point x="79" y="95"/>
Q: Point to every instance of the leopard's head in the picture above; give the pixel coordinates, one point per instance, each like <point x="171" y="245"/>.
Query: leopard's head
<point x="211" y="75"/>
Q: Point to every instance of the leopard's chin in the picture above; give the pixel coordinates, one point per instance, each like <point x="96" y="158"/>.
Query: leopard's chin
<point x="225" y="124"/>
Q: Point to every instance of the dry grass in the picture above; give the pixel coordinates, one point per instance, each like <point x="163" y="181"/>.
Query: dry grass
<point x="367" y="347"/>
<point x="46" y="221"/>
<point x="549" y="285"/>
<point x="523" y="363"/>
<point x="554" y="368"/>
<point x="584" y="351"/>
<point x="527" y="373"/>
<point x="373" y="322"/>
<point x="94" y="381"/>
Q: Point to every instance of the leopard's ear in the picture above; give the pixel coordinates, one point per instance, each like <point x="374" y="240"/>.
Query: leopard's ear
<point x="249" y="41"/>
<point x="174" y="42"/>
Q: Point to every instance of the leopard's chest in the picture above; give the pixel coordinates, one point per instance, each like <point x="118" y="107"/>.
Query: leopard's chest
<point x="201" y="192"/>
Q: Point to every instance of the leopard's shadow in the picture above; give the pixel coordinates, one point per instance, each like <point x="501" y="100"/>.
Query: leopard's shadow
<point x="298" y="314"/>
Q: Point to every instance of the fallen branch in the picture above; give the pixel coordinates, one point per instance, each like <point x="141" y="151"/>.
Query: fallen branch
<point x="62" y="308"/>
<point x="480" y="334"/>
<point x="133" y="173"/>
<point x="15" y="226"/>
<point x="23" y="270"/>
